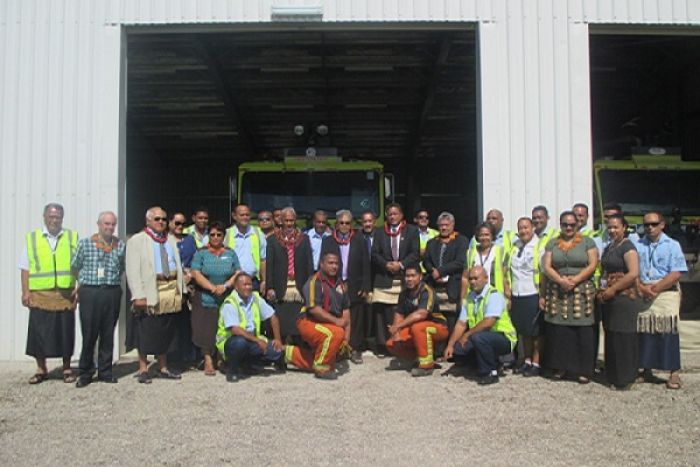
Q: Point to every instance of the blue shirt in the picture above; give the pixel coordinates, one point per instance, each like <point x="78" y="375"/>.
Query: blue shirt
<point x="172" y="265"/>
<point x="243" y="248"/>
<point x="96" y="266"/>
<point x="187" y="248"/>
<point x="315" y="238"/>
<point x="493" y="308"/>
<point x="657" y="260"/>
<point x="230" y="314"/>
<point x="217" y="269"/>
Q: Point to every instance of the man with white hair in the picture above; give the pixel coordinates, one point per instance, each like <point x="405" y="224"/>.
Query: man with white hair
<point x="154" y="274"/>
<point x="48" y="290"/>
<point x="99" y="264"/>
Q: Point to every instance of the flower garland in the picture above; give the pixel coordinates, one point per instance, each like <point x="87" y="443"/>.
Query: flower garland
<point x="568" y="245"/>
<point x="341" y="241"/>
<point x="387" y="229"/>
<point x="101" y="245"/>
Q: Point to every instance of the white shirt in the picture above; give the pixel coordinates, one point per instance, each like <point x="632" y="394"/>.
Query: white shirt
<point x="52" y="239"/>
<point x="521" y="268"/>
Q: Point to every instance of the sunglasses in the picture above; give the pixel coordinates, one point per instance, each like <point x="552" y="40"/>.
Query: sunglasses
<point x="566" y="225"/>
<point x="422" y="217"/>
<point x="178" y="223"/>
<point x="264" y="219"/>
<point x="343" y="223"/>
<point x="160" y="219"/>
<point x="216" y="234"/>
<point x="651" y="224"/>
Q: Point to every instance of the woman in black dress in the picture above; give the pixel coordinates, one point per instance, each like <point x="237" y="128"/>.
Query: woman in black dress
<point x="621" y="303"/>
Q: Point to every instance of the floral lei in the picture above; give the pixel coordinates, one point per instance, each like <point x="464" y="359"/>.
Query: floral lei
<point x="339" y="240"/>
<point x="100" y="245"/>
<point x="387" y="229"/>
<point x="565" y="245"/>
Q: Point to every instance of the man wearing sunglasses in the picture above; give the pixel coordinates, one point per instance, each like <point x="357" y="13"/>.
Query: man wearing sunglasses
<point x="154" y="274"/>
<point x="354" y="271"/>
<point x="661" y="264"/>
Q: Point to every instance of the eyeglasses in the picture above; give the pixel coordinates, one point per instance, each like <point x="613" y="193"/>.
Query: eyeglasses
<point x="178" y="223"/>
<point x="343" y="222"/>
<point x="565" y="225"/>
<point x="422" y="217"/>
<point x="651" y="224"/>
<point x="264" y="219"/>
<point x="160" y="219"/>
<point x="216" y="234"/>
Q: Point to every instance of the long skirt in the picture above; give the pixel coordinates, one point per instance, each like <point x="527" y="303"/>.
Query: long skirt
<point x="569" y="349"/>
<point x="205" y="322"/>
<point x="153" y="334"/>
<point x="50" y="334"/>
<point x="659" y="341"/>
<point x="621" y="357"/>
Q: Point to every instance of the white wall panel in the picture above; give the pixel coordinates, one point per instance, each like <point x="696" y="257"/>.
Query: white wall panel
<point x="60" y="71"/>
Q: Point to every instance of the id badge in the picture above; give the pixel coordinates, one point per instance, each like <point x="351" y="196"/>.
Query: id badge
<point x="100" y="273"/>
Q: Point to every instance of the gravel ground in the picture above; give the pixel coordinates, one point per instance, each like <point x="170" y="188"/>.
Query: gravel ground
<point x="368" y="416"/>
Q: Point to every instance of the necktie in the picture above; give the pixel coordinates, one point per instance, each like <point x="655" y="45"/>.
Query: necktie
<point x="368" y="241"/>
<point x="443" y="248"/>
<point x="395" y="245"/>
<point x="290" y="261"/>
<point x="164" y="260"/>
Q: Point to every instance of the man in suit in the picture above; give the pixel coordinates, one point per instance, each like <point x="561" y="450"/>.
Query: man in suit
<point x="289" y="266"/>
<point x="350" y="248"/>
<point x="154" y="274"/>
<point x="444" y="261"/>
<point x="395" y="247"/>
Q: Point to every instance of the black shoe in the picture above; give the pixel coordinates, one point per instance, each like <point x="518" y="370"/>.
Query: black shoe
<point x="82" y="382"/>
<point x="167" y="374"/>
<point x="356" y="357"/>
<point x="418" y="372"/>
<point x="110" y="380"/>
<point x="531" y="371"/>
<point x="143" y="378"/>
<point x="329" y="375"/>
<point x="233" y="377"/>
<point x="280" y="365"/>
<point x="488" y="379"/>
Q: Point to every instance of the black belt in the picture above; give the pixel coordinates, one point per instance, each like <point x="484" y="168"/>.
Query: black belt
<point x="103" y="286"/>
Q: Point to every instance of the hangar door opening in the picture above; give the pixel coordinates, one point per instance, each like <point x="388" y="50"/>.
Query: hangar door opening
<point x="645" y="110"/>
<point x="200" y="104"/>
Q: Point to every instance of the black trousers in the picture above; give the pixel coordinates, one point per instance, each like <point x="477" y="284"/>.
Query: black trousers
<point x="358" y="325"/>
<point x="99" y="312"/>
<point x="384" y="317"/>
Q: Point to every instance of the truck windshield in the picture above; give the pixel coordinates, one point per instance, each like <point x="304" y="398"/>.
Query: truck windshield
<point x="306" y="192"/>
<point x="638" y="191"/>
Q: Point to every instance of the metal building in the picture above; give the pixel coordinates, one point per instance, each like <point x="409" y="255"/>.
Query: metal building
<point x="63" y="82"/>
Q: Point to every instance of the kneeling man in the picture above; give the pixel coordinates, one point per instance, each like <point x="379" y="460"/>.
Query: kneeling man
<point x="239" y="339"/>
<point x="418" y="324"/>
<point x="484" y="330"/>
<point x="324" y="322"/>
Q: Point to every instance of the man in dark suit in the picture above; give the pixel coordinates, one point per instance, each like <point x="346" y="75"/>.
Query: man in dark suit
<point x="349" y="246"/>
<point x="395" y="246"/>
<point x="445" y="256"/>
<point x="289" y="266"/>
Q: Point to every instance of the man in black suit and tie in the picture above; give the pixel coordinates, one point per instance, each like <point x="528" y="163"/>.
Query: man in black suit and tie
<point x="445" y="256"/>
<point x="349" y="246"/>
<point x="395" y="246"/>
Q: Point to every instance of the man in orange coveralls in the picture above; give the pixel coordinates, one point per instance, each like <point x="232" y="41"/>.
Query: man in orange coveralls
<point x="324" y="322"/>
<point x="418" y="325"/>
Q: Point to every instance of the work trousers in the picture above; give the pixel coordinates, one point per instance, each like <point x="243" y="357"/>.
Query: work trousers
<point x="99" y="312"/>
<point x="324" y="339"/>
<point x="239" y="350"/>
<point x="418" y="341"/>
<point x="485" y="347"/>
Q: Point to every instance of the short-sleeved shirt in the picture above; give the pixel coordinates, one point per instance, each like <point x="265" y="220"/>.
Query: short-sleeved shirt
<point x="613" y="259"/>
<point x="217" y="269"/>
<point x="422" y="299"/>
<point x="96" y="266"/>
<point x="231" y="317"/>
<point x="658" y="260"/>
<point x="522" y="268"/>
<point x="492" y="309"/>
<point x="187" y="248"/>
<point x="244" y="248"/>
<point x="315" y="291"/>
<point x="570" y="263"/>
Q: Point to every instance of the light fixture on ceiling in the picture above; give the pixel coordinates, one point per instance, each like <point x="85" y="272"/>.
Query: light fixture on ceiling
<point x="294" y="13"/>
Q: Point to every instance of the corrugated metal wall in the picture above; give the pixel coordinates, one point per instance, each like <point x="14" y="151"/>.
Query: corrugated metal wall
<point x="61" y="108"/>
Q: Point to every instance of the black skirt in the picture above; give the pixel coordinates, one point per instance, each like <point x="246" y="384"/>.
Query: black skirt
<point x="621" y="357"/>
<point x="570" y="349"/>
<point x="153" y="334"/>
<point x="526" y="316"/>
<point x="205" y="322"/>
<point x="50" y="334"/>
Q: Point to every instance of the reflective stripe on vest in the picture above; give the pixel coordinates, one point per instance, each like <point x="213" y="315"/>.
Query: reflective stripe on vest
<point x="254" y="244"/>
<point x="503" y="324"/>
<point x="49" y="269"/>
<point x="190" y="231"/>
<point x="535" y="263"/>
<point x="496" y="276"/>
<point x="432" y="233"/>
<point x="223" y="333"/>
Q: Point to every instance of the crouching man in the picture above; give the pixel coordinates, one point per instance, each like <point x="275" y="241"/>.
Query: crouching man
<point x="483" y="331"/>
<point x="418" y="325"/>
<point x="324" y="322"/>
<point x="239" y="339"/>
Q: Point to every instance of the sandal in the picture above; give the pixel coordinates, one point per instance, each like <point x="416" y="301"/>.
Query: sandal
<point x="210" y="372"/>
<point x="143" y="378"/>
<point x="167" y="374"/>
<point x="583" y="380"/>
<point x="38" y="378"/>
<point x="69" y="377"/>
<point x="674" y="382"/>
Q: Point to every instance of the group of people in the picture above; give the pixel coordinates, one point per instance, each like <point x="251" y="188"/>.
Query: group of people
<point x="245" y="296"/>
